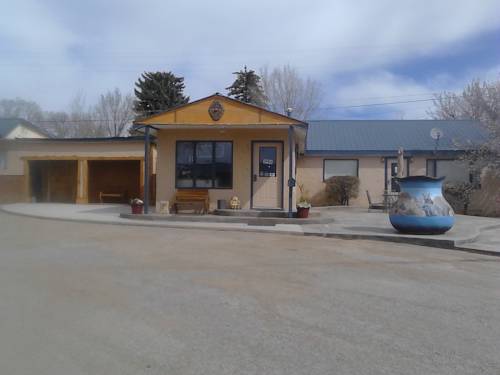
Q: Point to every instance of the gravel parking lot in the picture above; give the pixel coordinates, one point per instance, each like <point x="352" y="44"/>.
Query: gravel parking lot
<point x="104" y="299"/>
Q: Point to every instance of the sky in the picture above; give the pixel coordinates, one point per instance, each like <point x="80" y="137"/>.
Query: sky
<point x="361" y="51"/>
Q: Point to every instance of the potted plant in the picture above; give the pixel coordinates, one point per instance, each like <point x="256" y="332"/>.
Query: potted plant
<point x="137" y="206"/>
<point x="303" y="205"/>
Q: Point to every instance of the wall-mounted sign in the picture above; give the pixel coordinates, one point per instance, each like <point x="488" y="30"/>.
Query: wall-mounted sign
<point x="216" y="110"/>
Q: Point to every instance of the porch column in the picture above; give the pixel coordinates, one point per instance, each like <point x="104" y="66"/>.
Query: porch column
<point x="146" y="169"/>
<point x="82" y="187"/>
<point x="291" y="179"/>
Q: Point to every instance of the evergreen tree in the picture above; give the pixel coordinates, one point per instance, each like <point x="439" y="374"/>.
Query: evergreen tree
<point x="158" y="91"/>
<point x="247" y="88"/>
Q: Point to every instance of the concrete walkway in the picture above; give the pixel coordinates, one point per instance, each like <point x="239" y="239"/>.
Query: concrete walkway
<point x="470" y="233"/>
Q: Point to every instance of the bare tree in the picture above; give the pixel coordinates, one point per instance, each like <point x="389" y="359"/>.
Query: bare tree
<point x="82" y="119"/>
<point x="478" y="101"/>
<point x="21" y="108"/>
<point x="57" y="123"/>
<point x="115" y="112"/>
<point x="286" y="89"/>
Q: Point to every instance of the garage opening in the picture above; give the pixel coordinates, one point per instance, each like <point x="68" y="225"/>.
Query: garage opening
<point x="114" y="181"/>
<point x="53" y="180"/>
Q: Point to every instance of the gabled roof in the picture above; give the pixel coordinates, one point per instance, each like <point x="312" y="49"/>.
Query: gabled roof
<point x="235" y="113"/>
<point x="386" y="136"/>
<point x="9" y="124"/>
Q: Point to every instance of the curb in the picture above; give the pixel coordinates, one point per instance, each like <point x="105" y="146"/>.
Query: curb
<point x="429" y="242"/>
<point x="155" y="224"/>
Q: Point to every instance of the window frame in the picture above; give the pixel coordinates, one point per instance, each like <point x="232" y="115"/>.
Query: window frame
<point x="212" y="165"/>
<point x="434" y="162"/>
<point x="337" y="159"/>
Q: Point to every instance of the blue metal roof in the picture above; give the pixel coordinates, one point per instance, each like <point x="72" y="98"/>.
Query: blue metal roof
<point x="386" y="136"/>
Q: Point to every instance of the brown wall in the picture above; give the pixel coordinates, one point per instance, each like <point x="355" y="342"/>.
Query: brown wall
<point x="114" y="176"/>
<point x="12" y="189"/>
<point x="53" y="180"/>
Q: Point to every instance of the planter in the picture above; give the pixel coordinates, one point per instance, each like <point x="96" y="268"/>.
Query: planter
<point x="137" y="208"/>
<point x="421" y="207"/>
<point x="302" y="212"/>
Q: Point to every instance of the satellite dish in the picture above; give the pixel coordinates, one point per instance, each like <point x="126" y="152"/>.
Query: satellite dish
<point x="436" y="133"/>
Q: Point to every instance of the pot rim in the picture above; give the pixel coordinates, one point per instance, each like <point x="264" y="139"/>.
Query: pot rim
<point x="419" y="178"/>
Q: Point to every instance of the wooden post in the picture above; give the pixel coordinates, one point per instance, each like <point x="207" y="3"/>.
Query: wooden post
<point x="27" y="180"/>
<point x="82" y="187"/>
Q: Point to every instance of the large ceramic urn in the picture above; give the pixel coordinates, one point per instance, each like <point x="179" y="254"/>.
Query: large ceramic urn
<point x="421" y="207"/>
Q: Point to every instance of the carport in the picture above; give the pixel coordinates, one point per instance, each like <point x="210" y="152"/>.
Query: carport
<point x="78" y="170"/>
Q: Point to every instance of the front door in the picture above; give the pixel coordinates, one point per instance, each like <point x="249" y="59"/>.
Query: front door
<point x="267" y="176"/>
<point x="392" y="172"/>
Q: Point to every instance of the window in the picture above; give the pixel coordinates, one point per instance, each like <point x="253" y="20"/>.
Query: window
<point x="452" y="170"/>
<point x="267" y="161"/>
<point x="3" y="160"/>
<point x="204" y="164"/>
<point x="339" y="167"/>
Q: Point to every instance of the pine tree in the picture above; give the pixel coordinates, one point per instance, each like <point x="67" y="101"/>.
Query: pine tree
<point x="247" y="88"/>
<point x="158" y="91"/>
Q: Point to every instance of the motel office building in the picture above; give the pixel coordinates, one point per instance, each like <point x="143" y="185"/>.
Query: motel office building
<point x="232" y="149"/>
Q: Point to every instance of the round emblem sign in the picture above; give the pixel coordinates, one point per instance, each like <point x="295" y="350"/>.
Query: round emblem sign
<point x="216" y="110"/>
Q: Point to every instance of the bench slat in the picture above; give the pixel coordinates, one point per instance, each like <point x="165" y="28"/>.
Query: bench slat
<point x="192" y="197"/>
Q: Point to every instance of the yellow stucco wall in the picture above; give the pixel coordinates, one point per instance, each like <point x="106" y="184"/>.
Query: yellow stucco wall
<point x="17" y="150"/>
<point x="371" y="176"/>
<point x="242" y="138"/>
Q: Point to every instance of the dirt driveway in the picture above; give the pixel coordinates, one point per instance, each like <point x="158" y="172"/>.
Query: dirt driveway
<point x="103" y="299"/>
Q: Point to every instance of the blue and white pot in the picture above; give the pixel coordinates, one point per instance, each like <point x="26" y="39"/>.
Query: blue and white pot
<point x="421" y="207"/>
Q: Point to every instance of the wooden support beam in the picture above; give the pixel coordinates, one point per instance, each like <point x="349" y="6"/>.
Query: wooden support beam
<point x="27" y="181"/>
<point x="82" y="187"/>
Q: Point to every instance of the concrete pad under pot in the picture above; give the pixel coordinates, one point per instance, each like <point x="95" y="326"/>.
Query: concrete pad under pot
<point x="421" y="207"/>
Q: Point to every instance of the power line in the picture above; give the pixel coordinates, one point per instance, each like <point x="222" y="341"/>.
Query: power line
<point x="377" y="104"/>
<point x="320" y="108"/>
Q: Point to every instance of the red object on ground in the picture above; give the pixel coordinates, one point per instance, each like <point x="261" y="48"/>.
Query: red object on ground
<point x="302" y="212"/>
<point x="137" y="209"/>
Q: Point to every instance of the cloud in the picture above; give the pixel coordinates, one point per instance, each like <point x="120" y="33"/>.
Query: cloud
<point x="358" y="97"/>
<point x="57" y="48"/>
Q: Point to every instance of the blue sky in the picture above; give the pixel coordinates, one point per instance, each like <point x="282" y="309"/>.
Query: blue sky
<point x="363" y="52"/>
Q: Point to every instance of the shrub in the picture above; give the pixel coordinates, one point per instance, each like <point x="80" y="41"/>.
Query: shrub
<point x="340" y="189"/>
<point x="458" y="194"/>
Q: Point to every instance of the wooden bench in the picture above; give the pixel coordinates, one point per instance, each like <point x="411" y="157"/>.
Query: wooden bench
<point x="195" y="199"/>
<point x="103" y="195"/>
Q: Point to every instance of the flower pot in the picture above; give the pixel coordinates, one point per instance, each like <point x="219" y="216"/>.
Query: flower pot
<point x="302" y="212"/>
<point x="137" y="209"/>
<point x="421" y="207"/>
